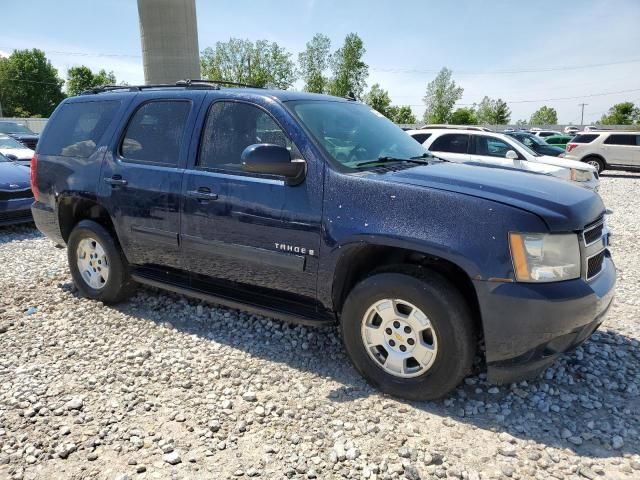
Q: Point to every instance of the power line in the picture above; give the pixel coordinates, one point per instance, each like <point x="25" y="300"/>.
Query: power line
<point x="506" y="71"/>
<point x="31" y="81"/>
<point x="549" y="99"/>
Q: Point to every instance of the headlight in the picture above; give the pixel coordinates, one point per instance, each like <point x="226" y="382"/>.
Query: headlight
<point x="543" y="257"/>
<point x="581" y="175"/>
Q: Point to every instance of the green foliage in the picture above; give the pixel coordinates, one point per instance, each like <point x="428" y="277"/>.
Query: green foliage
<point x="82" y="78"/>
<point x="378" y="99"/>
<point x="522" y="123"/>
<point x="350" y="72"/>
<point x="314" y="62"/>
<point x="625" y="113"/>
<point x="464" y="116"/>
<point x="493" y="112"/>
<point x="29" y="85"/>
<point x="544" y="116"/>
<point x="442" y="94"/>
<point x="401" y="114"/>
<point x="262" y="63"/>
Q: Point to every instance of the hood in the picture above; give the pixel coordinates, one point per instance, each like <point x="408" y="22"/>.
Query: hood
<point x="564" y="162"/>
<point x="13" y="174"/>
<point x="561" y="204"/>
<point x="19" y="153"/>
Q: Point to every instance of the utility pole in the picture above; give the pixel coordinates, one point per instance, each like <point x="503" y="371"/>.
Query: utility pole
<point x="582" y="115"/>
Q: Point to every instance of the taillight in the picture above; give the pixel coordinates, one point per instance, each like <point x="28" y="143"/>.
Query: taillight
<point x="34" y="173"/>
<point x="571" y="146"/>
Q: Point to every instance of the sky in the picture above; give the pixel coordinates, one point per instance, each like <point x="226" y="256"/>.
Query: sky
<point x="530" y="54"/>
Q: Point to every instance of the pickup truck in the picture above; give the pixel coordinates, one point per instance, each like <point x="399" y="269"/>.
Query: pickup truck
<point x="316" y="209"/>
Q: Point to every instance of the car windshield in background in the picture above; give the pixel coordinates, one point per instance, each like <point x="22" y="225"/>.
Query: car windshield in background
<point x="523" y="145"/>
<point x="353" y="134"/>
<point x="12" y="127"/>
<point x="3" y="158"/>
<point x="8" y="142"/>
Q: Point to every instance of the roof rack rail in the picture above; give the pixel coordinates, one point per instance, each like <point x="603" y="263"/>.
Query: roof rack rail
<point x="186" y="83"/>
<point x="195" y="81"/>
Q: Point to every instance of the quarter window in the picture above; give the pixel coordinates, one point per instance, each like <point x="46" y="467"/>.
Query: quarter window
<point x="76" y="129"/>
<point x="452" y="143"/>
<point x="154" y="134"/>
<point x="233" y="126"/>
<point x="421" y="137"/>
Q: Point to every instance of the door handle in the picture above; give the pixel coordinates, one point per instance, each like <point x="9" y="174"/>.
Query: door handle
<point x="116" y="181"/>
<point x="202" y="193"/>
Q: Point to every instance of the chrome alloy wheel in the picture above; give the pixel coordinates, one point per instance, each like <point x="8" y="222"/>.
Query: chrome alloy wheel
<point x="92" y="263"/>
<point x="595" y="164"/>
<point x="399" y="337"/>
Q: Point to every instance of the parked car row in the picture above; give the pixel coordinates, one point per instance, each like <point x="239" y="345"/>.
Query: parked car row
<point x="20" y="132"/>
<point x="509" y="150"/>
<point x="317" y="209"/>
<point x="15" y="192"/>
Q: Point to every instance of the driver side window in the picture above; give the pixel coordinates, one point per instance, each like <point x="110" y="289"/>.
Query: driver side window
<point x="233" y="126"/>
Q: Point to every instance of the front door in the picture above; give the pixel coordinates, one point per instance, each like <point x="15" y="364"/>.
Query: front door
<point x="142" y="177"/>
<point x="254" y="230"/>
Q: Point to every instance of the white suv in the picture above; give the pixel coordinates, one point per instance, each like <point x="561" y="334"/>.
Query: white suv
<point x="488" y="148"/>
<point x="606" y="149"/>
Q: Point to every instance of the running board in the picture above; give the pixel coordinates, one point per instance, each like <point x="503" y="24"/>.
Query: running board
<point x="311" y="318"/>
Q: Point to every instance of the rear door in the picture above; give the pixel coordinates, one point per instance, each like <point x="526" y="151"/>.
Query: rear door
<point x="253" y="230"/>
<point x="450" y="146"/>
<point x="142" y="176"/>
<point x="621" y="149"/>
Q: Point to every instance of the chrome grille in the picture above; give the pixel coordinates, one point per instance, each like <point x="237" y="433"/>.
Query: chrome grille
<point x="593" y="232"/>
<point x="595" y="264"/>
<point x="13" y="194"/>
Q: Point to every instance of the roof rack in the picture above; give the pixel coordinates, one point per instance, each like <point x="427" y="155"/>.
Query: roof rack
<point x="187" y="83"/>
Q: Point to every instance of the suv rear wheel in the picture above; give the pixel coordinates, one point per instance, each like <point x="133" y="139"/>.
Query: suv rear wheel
<point x="409" y="334"/>
<point x="97" y="265"/>
<point x="595" y="162"/>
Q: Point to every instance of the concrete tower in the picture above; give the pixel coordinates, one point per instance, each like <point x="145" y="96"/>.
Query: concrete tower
<point x="169" y="35"/>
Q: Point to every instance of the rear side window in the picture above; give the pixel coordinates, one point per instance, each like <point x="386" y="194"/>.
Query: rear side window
<point x="585" y="138"/>
<point x="76" y="128"/>
<point x="155" y="131"/>
<point x="421" y="137"/>
<point x="491" y="146"/>
<point x="233" y="126"/>
<point x="451" y="142"/>
<point x="622" y="139"/>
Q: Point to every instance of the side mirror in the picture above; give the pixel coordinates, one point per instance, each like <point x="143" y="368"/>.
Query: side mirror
<point x="511" y="155"/>
<point x="273" y="160"/>
<point x="11" y="157"/>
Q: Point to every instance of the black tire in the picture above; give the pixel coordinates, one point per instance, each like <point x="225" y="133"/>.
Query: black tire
<point x="597" y="162"/>
<point x="449" y="315"/>
<point x="118" y="285"/>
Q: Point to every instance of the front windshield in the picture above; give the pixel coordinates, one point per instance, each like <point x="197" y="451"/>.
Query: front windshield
<point x="12" y="127"/>
<point x="8" y="142"/>
<point x="353" y="134"/>
<point x="3" y="158"/>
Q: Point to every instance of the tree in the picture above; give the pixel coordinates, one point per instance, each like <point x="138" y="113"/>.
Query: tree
<point x="522" y="123"/>
<point x="82" y="78"/>
<point x="625" y="113"/>
<point x="314" y="62"/>
<point x="378" y="99"/>
<point x="262" y="63"/>
<point x="464" y="116"/>
<point x="442" y="94"/>
<point x="493" y="112"/>
<point x="349" y="70"/>
<point x="29" y="85"/>
<point x="544" y="116"/>
<point x="402" y="115"/>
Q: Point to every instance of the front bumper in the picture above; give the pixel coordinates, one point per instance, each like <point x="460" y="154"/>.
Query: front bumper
<point x="528" y="325"/>
<point x="15" y="211"/>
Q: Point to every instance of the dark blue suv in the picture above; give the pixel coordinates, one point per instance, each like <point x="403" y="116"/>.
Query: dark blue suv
<point x="317" y="209"/>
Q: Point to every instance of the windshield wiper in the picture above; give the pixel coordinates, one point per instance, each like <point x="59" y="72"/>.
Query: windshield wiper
<point x="387" y="158"/>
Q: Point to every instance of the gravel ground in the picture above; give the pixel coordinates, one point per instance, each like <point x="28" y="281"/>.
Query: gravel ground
<point x="168" y="387"/>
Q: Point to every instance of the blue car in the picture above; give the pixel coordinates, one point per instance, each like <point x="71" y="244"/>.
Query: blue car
<point x="318" y="209"/>
<point x="15" y="193"/>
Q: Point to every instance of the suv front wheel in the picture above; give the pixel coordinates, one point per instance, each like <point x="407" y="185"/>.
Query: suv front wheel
<point x="97" y="265"/>
<point x="409" y="334"/>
